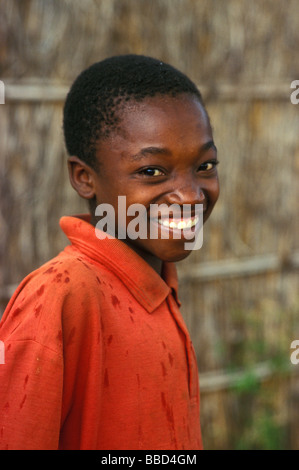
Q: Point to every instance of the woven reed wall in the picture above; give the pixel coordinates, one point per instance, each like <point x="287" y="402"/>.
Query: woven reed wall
<point x="240" y="291"/>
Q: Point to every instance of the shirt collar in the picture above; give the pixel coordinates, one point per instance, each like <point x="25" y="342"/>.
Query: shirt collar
<point x="144" y="283"/>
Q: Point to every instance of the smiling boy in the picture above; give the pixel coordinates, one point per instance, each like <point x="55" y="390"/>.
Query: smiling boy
<point x="97" y="353"/>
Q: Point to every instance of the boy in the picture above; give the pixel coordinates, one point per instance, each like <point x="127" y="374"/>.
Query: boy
<point x="97" y="355"/>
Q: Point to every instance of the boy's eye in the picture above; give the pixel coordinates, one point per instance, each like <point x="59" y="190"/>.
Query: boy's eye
<point x="151" y="172"/>
<point x="208" y="166"/>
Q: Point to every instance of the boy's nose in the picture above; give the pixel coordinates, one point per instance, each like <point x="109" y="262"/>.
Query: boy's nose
<point x="186" y="194"/>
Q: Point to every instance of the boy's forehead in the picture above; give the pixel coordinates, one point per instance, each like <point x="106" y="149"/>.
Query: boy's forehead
<point x="164" y="103"/>
<point x="155" y="114"/>
<point x="159" y="124"/>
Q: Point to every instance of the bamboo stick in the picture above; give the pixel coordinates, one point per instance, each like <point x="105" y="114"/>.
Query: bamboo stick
<point x="215" y="270"/>
<point x="38" y="90"/>
<point x="222" y="380"/>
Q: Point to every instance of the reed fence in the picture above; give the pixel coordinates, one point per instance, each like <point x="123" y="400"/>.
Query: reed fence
<point x="239" y="292"/>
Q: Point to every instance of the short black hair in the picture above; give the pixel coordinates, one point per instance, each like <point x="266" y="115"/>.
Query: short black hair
<point x="92" y="106"/>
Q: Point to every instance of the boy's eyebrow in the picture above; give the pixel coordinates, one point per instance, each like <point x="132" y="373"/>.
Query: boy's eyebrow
<point x="147" y="151"/>
<point x="207" y="146"/>
<point x="150" y="151"/>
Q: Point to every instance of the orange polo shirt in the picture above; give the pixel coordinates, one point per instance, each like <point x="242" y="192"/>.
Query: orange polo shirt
<point x="97" y="355"/>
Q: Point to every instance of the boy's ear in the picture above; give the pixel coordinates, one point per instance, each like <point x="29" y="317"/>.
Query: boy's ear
<point x="82" y="177"/>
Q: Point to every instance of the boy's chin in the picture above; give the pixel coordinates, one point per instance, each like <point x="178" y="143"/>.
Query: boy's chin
<point x="170" y="256"/>
<point x="176" y="257"/>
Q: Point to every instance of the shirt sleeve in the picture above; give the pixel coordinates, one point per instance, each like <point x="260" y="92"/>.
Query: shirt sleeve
<point x="30" y="396"/>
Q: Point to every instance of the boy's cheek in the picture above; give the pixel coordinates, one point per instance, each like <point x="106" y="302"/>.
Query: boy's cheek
<point x="212" y="203"/>
<point x="215" y="191"/>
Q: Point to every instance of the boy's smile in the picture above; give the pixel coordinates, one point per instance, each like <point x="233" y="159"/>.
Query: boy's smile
<point x="163" y="153"/>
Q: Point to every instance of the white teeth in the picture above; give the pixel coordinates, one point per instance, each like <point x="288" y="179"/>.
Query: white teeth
<point x="164" y="222"/>
<point x="182" y="224"/>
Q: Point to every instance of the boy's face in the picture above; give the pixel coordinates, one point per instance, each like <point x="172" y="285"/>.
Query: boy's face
<point x="163" y="154"/>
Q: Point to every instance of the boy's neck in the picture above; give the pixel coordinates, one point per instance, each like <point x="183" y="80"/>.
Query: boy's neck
<point x="153" y="261"/>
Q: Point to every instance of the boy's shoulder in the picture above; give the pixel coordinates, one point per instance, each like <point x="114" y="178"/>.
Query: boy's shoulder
<point x="61" y="275"/>
<point x="67" y="269"/>
<point x="53" y="297"/>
